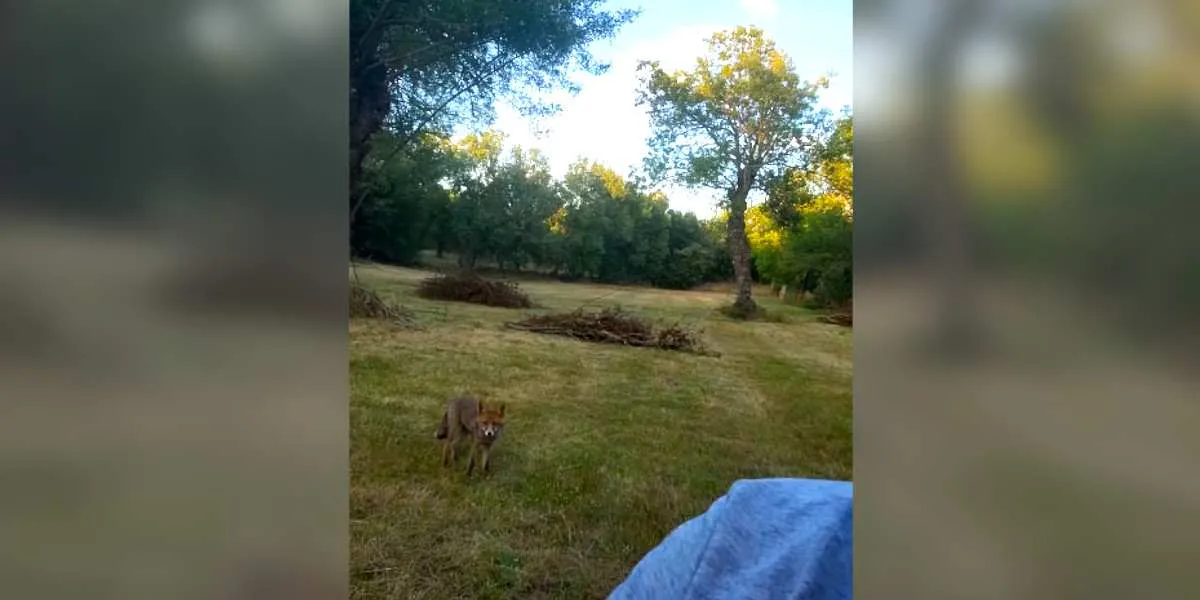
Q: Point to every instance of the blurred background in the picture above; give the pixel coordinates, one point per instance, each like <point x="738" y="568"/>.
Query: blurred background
<point x="172" y="332"/>
<point x="1025" y="391"/>
<point x="172" y="317"/>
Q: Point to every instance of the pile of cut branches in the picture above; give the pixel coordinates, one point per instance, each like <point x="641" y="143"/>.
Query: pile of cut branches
<point x="470" y="287"/>
<point x="845" y="319"/>
<point x="843" y="316"/>
<point x="614" y="326"/>
<point x="365" y="303"/>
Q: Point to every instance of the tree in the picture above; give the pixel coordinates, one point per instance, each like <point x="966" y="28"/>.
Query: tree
<point x="825" y="181"/>
<point x="801" y="236"/>
<point x="613" y="229"/>
<point x="697" y="253"/>
<point x="734" y="121"/>
<point x="417" y="65"/>
<point x="529" y="198"/>
<point x="495" y="204"/>
<point x="407" y="199"/>
<point x="477" y="201"/>
<point x="501" y="204"/>
<point x="587" y="227"/>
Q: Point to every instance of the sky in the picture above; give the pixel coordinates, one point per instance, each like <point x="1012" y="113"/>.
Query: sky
<point x="602" y="122"/>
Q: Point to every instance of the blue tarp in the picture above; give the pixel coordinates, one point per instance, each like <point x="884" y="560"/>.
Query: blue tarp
<point x="764" y="539"/>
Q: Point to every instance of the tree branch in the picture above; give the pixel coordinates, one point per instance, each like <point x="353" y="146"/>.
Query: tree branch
<point x="376" y="21"/>
<point x="412" y="135"/>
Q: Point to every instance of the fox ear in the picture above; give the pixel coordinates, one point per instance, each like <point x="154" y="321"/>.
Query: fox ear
<point x="502" y="409"/>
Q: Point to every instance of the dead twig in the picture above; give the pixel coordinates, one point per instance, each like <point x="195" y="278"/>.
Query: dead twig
<point x="845" y="319"/>
<point x="365" y="303"/>
<point x="470" y="287"/>
<point x="614" y="326"/>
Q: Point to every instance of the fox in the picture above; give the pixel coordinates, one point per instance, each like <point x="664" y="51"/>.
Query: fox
<point x="467" y="415"/>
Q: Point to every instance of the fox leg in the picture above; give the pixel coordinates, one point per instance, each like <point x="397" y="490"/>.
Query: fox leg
<point x="443" y="429"/>
<point x="471" y="463"/>
<point x="487" y="455"/>
<point x="449" y="438"/>
<point x="450" y="453"/>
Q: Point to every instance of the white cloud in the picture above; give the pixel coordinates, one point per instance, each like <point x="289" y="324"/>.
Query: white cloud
<point x="603" y="122"/>
<point x="760" y="9"/>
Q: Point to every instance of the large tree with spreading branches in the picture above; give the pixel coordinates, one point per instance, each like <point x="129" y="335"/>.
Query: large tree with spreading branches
<point x="734" y="122"/>
<point x="416" y="66"/>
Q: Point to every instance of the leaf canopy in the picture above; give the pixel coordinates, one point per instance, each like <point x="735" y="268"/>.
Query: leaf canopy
<point x="742" y="110"/>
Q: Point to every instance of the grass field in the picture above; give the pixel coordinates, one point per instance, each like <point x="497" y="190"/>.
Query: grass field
<point x="607" y="448"/>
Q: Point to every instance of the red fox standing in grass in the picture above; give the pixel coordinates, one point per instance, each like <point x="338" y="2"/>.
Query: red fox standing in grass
<point x="468" y="415"/>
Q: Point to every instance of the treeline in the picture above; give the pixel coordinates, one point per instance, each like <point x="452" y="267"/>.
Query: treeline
<point x="419" y="72"/>
<point x="801" y="238"/>
<point x="487" y="205"/>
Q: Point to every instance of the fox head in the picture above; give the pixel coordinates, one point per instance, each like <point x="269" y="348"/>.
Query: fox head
<point x="490" y="422"/>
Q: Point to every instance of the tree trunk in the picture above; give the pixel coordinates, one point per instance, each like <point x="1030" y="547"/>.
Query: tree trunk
<point x="369" y="103"/>
<point x="370" y="98"/>
<point x="466" y="259"/>
<point x="739" y="246"/>
<point x="958" y="330"/>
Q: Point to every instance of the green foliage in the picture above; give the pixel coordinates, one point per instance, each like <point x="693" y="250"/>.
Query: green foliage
<point x="735" y="121"/>
<point x="697" y="253"/>
<point x="478" y="47"/>
<point x="449" y="59"/>
<point x="819" y="257"/>
<point x="418" y="67"/>
<point x="815" y="255"/>
<point x="741" y="108"/>
<point x="615" y="231"/>
<point x="802" y="236"/>
<point x="404" y="203"/>
<point x="824" y="182"/>
<point x="500" y="204"/>
<point x="485" y="204"/>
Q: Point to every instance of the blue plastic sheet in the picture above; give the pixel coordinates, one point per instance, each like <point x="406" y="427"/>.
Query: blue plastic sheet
<point x="764" y="539"/>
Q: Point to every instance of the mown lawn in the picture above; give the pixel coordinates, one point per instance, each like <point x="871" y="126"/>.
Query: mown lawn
<point x="607" y="448"/>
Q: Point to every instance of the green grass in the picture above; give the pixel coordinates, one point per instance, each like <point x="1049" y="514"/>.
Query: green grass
<point x="606" y="450"/>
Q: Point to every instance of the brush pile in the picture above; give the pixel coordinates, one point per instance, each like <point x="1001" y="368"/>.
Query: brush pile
<point x="366" y="304"/>
<point x="844" y="319"/>
<point x="614" y="326"/>
<point x="843" y="316"/>
<point x="470" y="287"/>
